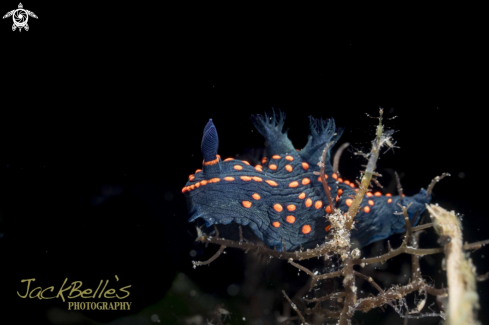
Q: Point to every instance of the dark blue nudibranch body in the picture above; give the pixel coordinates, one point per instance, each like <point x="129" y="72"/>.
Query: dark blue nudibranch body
<point x="283" y="198"/>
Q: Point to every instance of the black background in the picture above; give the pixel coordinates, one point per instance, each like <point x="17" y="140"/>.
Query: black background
<point x="113" y="98"/>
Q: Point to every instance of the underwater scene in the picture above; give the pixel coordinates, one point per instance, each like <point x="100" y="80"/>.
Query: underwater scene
<point x="196" y="169"/>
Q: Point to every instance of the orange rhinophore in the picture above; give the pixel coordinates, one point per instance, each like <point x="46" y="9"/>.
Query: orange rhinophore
<point x="238" y="167"/>
<point x="256" y="196"/>
<point x="271" y="183"/>
<point x="294" y="184"/>
<point x="277" y="207"/>
<point x="246" y="204"/>
<point x="290" y="219"/>
<point x="306" y="229"/>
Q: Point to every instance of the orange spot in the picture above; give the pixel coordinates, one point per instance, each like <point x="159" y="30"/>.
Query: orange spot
<point x="246" y="178"/>
<point x="291" y="207"/>
<point x="288" y="168"/>
<point x="348" y="202"/>
<point x="212" y="162"/>
<point x="294" y="184"/>
<point x="337" y="198"/>
<point x="305" y="166"/>
<point x="347" y="182"/>
<point x="302" y="195"/>
<point x="306" y="229"/>
<point x="356" y="190"/>
<point x="277" y="207"/>
<point x="403" y="195"/>
<point x="271" y="183"/>
<point x="238" y="167"/>
<point x="388" y="195"/>
<point x="191" y="187"/>
<point x="245" y="162"/>
<point x="318" y="205"/>
<point x="256" y="196"/>
<point x="290" y="219"/>
<point x="264" y="160"/>
<point x="371" y="202"/>
<point x="276" y="157"/>
<point x="340" y="191"/>
<point x="203" y="182"/>
<point x="229" y="178"/>
<point x="246" y="204"/>
<point x="328" y="209"/>
<point x="214" y="180"/>
<point x="198" y="171"/>
<point x="328" y="227"/>
<point x="305" y="181"/>
<point x="319" y="178"/>
<point x="352" y="185"/>
<point x="369" y="194"/>
<point x="273" y="167"/>
<point x="228" y="159"/>
<point x="366" y="209"/>
<point x="308" y="203"/>
<point x="297" y="149"/>
<point x="259" y="168"/>
<point x="389" y="201"/>
<point x="329" y="188"/>
<point x="184" y="189"/>
<point x="334" y="176"/>
<point x="378" y="194"/>
<point x="289" y="158"/>
<point x="257" y="179"/>
<point x="191" y="177"/>
<point x="276" y="224"/>
<point x="197" y="185"/>
<point x="340" y="180"/>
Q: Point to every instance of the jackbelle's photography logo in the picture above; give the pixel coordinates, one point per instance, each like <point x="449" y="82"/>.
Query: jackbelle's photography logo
<point x="75" y="291"/>
<point x="20" y="17"/>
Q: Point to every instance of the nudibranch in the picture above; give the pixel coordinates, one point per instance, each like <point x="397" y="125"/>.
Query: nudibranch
<point x="282" y="199"/>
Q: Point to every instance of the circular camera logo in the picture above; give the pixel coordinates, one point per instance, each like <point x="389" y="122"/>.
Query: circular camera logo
<point x="20" y="17"/>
